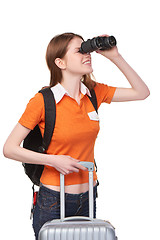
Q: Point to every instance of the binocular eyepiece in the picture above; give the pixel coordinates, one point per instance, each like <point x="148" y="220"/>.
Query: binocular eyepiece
<point x="101" y="43"/>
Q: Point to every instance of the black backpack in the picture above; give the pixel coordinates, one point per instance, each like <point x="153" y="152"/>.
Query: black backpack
<point x="34" y="140"/>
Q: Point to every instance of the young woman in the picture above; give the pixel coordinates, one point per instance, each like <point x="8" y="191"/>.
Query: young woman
<point x="76" y="128"/>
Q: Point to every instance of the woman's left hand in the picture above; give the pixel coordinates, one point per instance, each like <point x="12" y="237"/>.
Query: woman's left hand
<point x="111" y="53"/>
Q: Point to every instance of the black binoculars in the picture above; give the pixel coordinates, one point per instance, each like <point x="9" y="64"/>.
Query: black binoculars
<point x="101" y="43"/>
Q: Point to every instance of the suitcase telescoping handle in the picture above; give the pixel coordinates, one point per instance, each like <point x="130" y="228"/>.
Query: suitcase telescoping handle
<point x="90" y="167"/>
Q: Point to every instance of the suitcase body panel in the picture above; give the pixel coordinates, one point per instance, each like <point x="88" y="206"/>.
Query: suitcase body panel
<point x="77" y="228"/>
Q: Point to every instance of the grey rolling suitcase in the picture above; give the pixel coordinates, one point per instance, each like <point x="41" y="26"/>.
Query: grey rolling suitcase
<point x="77" y="228"/>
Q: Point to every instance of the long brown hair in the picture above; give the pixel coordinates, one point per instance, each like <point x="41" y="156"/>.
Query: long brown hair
<point x="57" y="48"/>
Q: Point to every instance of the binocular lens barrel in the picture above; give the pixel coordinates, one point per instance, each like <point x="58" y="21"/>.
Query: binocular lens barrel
<point x="102" y="43"/>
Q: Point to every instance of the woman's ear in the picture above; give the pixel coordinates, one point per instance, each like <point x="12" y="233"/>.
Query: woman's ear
<point x="60" y="63"/>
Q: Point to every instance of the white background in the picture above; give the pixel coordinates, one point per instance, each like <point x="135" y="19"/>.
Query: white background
<point x="126" y="151"/>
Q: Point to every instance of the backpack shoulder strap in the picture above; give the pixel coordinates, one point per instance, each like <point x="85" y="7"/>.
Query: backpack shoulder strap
<point x="50" y="117"/>
<point x="93" y="99"/>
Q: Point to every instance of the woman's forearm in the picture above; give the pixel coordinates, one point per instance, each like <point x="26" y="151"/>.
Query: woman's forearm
<point x="13" y="150"/>
<point x="133" y="78"/>
<point x="24" y="155"/>
<point x="138" y="90"/>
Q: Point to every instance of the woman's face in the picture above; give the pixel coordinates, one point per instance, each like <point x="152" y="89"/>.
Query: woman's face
<point x="76" y="62"/>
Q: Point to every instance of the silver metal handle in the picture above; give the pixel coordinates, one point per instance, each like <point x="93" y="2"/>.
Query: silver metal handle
<point x="90" y="167"/>
<point x="79" y="218"/>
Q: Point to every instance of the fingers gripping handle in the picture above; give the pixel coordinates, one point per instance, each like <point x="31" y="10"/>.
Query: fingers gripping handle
<point x="90" y="167"/>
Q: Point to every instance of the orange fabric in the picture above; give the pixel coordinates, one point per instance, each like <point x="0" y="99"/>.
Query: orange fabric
<point x="74" y="134"/>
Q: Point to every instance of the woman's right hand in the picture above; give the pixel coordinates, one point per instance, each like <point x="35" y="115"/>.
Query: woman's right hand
<point x="65" y="164"/>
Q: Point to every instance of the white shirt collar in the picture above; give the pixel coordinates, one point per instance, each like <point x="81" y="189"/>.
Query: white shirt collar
<point x="59" y="91"/>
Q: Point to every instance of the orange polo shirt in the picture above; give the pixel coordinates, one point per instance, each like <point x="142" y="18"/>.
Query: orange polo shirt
<point x="76" y="128"/>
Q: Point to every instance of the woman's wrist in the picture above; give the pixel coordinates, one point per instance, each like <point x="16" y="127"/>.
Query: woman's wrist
<point x="116" y="58"/>
<point x="49" y="159"/>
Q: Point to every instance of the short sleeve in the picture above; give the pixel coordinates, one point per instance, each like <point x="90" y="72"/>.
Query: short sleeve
<point x="33" y="112"/>
<point x="104" y="93"/>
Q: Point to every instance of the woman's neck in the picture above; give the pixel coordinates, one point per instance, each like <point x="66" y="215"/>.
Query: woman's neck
<point x="72" y="85"/>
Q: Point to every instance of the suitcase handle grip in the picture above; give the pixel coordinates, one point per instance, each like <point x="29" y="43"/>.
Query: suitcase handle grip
<point x="90" y="166"/>
<point x="79" y="218"/>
